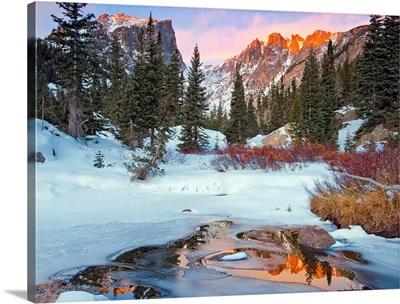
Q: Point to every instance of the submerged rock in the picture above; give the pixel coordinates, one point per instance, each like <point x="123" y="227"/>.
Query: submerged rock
<point x="315" y="237"/>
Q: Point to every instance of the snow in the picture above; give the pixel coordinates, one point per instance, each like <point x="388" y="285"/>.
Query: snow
<point x="85" y="214"/>
<point x="234" y="257"/>
<point x="256" y="141"/>
<point x="79" y="296"/>
<point x="345" y="109"/>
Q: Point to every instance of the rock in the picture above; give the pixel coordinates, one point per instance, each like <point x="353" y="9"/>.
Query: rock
<point x="379" y="134"/>
<point x="187" y="210"/>
<point x="279" y="138"/>
<point x="315" y="237"/>
<point x="40" y="158"/>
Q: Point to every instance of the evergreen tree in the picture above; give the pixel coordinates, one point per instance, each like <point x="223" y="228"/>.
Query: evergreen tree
<point x="329" y="96"/>
<point x="260" y="111"/>
<point x="346" y="82"/>
<point x="391" y="90"/>
<point x="193" y="136"/>
<point x="142" y="107"/>
<point x="349" y="144"/>
<point x="294" y="113"/>
<point x="236" y="132"/>
<point x="99" y="160"/>
<point x="378" y="72"/>
<point x="251" y="119"/>
<point x="74" y="40"/>
<point x="211" y="118"/>
<point x="92" y="112"/>
<point x="174" y="85"/>
<point x="45" y="101"/>
<point x="134" y="128"/>
<point x="220" y="120"/>
<point x="275" y="107"/>
<point x="310" y="122"/>
<point x="118" y="81"/>
<point x="153" y="81"/>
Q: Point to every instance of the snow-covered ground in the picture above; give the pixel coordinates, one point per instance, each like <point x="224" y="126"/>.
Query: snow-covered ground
<point x="350" y="129"/>
<point x="85" y="214"/>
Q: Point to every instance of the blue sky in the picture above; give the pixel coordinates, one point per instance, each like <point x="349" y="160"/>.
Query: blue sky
<point x="219" y="33"/>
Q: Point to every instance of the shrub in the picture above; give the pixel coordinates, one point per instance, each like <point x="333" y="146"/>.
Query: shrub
<point x="267" y="158"/>
<point x="364" y="191"/>
<point x="98" y="161"/>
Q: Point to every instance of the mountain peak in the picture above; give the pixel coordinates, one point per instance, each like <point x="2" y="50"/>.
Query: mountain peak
<point x="255" y="43"/>
<point x="119" y="20"/>
<point x="317" y="38"/>
<point x="296" y="43"/>
<point x="277" y="38"/>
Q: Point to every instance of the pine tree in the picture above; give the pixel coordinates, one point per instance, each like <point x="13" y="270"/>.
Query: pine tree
<point x="153" y="81"/>
<point x="118" y="80"/>
<point x="378" y="72"/>
<point x="74" y="40"/>
<point x="220" y="119"/>
<point x="45" y="101"/>
<point x="391" y="70"/>
<point x="310" y="122"/>
<point x="211" y="118"/>
<point x="294" y="112"/>
<point x="346" y="82"/>
<point x="99" y="160"/>
<point x="144" y="96"/>
<point x="260" y="114"/>
<point x="236" y="132"/>
<point x="92" y="112"/>
<point x="193" y="137"/>
<point x="329" y="96"/>
<point x="349" y="144"/>
<point x="275" y="107"/>
<point x="251" y="119"/>
<point x="174" y="85"/>
<point x="134" y="128"/>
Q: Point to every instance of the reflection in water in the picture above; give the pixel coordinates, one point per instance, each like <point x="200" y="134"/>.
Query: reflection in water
<point x="131" y="292"/>
<point x="280" y="258"/>
<point x="297" y="269"/>
<point x="218" y="251"/>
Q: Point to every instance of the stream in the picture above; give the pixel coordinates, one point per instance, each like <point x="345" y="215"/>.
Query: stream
<point x="226" y="258"/>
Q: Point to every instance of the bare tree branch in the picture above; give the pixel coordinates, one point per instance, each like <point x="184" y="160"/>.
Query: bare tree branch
<point x="384" y="187"/>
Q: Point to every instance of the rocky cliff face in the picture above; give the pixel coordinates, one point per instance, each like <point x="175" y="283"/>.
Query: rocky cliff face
<point x="262" y="63"/>
<point x="128" y="29"/>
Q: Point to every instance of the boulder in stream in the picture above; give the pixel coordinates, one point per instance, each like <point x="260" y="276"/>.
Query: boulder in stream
<point x="315" y="237"/>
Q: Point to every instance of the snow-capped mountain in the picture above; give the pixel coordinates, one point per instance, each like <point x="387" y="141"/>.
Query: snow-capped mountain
<point x="128" y="29"/>
<point x="262" y="63"/>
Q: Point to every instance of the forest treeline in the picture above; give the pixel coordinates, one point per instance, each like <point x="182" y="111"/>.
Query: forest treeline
<point x="92" y="91"/>
<point x="370" y="82"/>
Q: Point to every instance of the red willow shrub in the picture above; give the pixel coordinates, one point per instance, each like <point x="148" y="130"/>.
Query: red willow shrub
<point x="267" y="158"/>
<point x="382" y="166"/>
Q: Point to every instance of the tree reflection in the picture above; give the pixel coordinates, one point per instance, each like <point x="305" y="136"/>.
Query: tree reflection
<point x="311" y="266"/>
<point x="327" y="271"/>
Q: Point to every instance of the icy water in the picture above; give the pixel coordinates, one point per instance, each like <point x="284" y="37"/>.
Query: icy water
<point x="227" y="258"/>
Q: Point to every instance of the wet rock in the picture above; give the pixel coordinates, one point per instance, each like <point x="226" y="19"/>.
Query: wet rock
<point x="315" y="237"/>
